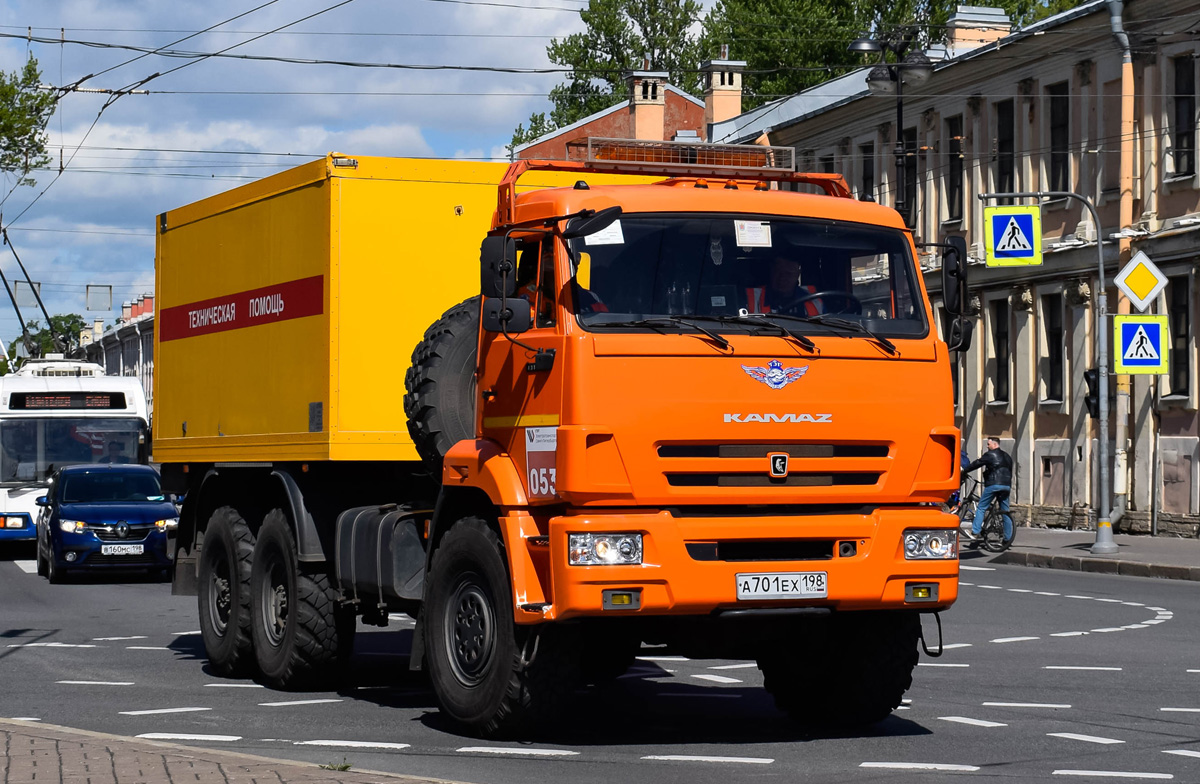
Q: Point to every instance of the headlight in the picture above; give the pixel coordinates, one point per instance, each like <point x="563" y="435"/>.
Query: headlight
<point x="936" y="544"/>
<point x="604" y="549"/>
<point x="172" y="522"/>
<point x="72" y="526"/>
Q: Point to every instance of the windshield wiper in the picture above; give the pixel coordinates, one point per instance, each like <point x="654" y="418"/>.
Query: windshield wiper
<point x="670" y="321"/>
<point x="840" y="323"/>
<point x="804" y="341"/>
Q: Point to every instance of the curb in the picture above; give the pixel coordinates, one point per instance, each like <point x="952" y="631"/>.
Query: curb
<point x="1076" y="563"/>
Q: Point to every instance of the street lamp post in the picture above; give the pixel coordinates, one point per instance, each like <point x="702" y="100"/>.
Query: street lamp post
<point x="888" y="78"/>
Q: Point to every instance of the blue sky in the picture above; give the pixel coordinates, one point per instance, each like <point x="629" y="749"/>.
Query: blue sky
<point x="220" y="122"/>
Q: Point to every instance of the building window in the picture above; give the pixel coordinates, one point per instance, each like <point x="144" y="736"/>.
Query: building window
<point x="1060" y="137"/>
<point x="866" y="188"/>
<point x="1183" y="125"/>
<point x="1005" y="149"/>
<point x="1053" y="356"/>
<point x="1179" y="320"/>
<point x="1000" y="353"/>
<point x="954" y="168"/>
<point x="910" y="176"/>
<point x="827" y="165"/>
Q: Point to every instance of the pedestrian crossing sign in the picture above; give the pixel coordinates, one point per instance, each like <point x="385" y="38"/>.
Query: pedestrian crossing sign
<point x="1141" y="344"/>
<point x="1013" y="236"/>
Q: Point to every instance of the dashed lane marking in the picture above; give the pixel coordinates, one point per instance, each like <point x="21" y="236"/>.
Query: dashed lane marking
<point x="743" y="666"/>
<point x="941" y="664"/>
<point x="96" y="683"/>
<point x="1068" y="634"/>
<point x="24" y="718"/>
<point x="993" y="587"/>
<point x="28" y="567"/>
<point x="185" y="634"/>
<point x="1053" y="705"/>
<point x="118" y="639"/>
<point x="163" y="710"/>
<point x="520" y="752"/>
<point x="953" y="645"/>
<point x="1182" y="752"/>
<point x="943" y="766"/>
<point x="1076" y="667"/>
<point x="1015" y="639"/>
<point x="176" y="736"/>
<point x="1084" y="738"/>
<point x="235" y="685"/>
<point x="146" y="648"/>
<point x="52" y="645"/>
<point x="1020" y="590"/>
<point x="972" y="722"/>
<point x="1107" y="629"/>
<point x="663" y="658"/>
<point x="966" y="568"/>
<point x="1046" y="593"/>
<point x="1193" y="671"/>
<point x="293" y="702"/>
<point x="1180" y="710"/>
<point x="715" y="678"/>
<point x="351" y="744"/>
<point x="1115" y="774"/>
<point x="698" y="758"/>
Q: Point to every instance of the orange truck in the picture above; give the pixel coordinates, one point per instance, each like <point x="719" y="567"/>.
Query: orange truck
<point x="679" y="395"/>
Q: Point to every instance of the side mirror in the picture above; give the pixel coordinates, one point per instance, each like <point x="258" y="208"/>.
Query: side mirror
<point x="514" y="315"/>
<point x="959" y="338"/>
<point x="498" y="266"/>
<point x="583" y="225"/>
<point x="954" y="275"/>
<point x="42" y="501"/>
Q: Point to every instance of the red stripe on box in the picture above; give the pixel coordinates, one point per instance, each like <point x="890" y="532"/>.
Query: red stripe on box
<point x="267" y="305"/>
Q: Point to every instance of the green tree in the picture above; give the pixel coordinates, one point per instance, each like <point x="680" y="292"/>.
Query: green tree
<point x="618" y="35"/>
<point x="538" y="126"/>
<point x="64" y="328"/>
<point x="24" y="111"/>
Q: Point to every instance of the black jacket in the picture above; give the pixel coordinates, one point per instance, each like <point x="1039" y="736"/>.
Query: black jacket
<point x="997" y="467"/>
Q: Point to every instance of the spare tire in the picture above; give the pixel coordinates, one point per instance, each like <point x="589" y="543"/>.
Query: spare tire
<point x="440" y="385"/>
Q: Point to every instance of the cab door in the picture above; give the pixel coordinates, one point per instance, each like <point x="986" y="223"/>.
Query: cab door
<point x="520" y="394"/>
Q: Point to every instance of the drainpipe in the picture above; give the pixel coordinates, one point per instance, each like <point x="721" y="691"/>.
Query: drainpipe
<point x="1116" y="9"/>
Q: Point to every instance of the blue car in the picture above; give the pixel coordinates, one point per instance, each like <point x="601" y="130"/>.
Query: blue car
<point x="97" y="517"/>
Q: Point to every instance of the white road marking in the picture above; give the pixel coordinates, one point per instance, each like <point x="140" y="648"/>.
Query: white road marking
<point x="1193" y="670"/>
<point x="174" y="736"/>
<point x="1015" y="639"/>
<point x="1020" y="590"/>
<point x="1134" y="626"/>
<point x="1152" y="620"/>
<point x="692" y="758"/>
<point x="294" y="702"/>
<point x="966" y="568"/>
<point x="525" y="752"/>
<point x="708" y="695"/>
<point x="960" y="582"/>
<point x="51" y="645"/>
<point x="745" y="666"/>
<point x="1077" y="596"/>
<point x="1104" y="599"/>
<point x="1047" y="593"/>
<point x="351" y="744"/>
<point x="993" y="587"/>
<point x="941" y="664"/>
<point x="235" y="685"/>
<point x="920" y="766"/>
<point x="1182" y="752"/>
<point x="1133" y="604"/>
<point x="1114" y="774"/>
<point x="1084" y="738"/>
<point x="1025" y="705"/>
<point x="1108" y="629"/>
<point x="185" y="634"/>
<point x="956" y="645"/>
<point x="28" y="567"/>
<point x="1068" y="634"/>
<point x="663" y="658"/>
<point x="1158" y="609"/>
<point x="146" y="648"/>
<point x="96" y="683"/>
<point x="716" y="678"/>
<point x="116" y="639"/>
<point x="163" y="710"/>
<point x="1074" y="667"/>
<point x="24" y="718"/>
<point x="1180" y="710"/>
<point x="972" y="722"/>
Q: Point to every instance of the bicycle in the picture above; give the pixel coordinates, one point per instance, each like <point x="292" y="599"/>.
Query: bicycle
<point x="991" y="533"/>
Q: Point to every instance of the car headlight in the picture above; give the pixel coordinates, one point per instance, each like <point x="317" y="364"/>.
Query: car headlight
<point x="926" y="545"/>
<point x="604" y="549"/>
<point x="169" y="523"/>
<point x="72" y="526"/>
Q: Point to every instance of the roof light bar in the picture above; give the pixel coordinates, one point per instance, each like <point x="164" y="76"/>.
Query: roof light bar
<point x="713" y="160"/>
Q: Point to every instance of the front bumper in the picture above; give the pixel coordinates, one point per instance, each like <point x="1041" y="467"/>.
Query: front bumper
<point x="675" y="579"/>
<point x="88" y="551"/>
<point x="26" y="533"/>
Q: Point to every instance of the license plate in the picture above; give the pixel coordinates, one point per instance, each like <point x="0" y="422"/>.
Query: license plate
<point x="785" y="585"/>
<point x="121" y="549"/>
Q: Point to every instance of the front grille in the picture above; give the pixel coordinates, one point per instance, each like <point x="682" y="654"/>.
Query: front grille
<point x="749" y="465"/>
<point x="132" y="561"/>
<point x="137" y="533"/>
<point x="762" y="450"/>
<point x="764" y="550"/>
<point x="763" y="480"/>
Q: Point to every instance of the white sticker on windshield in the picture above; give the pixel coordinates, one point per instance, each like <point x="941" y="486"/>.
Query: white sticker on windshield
<point x="608" y="236"/>
<point x="752" y="234"/>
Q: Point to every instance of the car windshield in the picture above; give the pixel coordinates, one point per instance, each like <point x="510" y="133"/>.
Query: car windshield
<point x="31" y="448"/>
<point x="647" y="267"/>
<point x="107" y="488"/>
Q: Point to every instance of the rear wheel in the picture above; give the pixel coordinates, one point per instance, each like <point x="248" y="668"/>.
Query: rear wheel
<point x="992" y="533"/>
<point x="224" y="592"/>
<point x="294" y="618"/>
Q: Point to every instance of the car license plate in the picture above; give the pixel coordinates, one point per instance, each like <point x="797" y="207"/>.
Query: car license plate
<point x="122" y="549"/>
<point x="782" y="585"/>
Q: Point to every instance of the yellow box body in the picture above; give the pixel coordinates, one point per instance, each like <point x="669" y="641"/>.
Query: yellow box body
<point x="372" y="253"/>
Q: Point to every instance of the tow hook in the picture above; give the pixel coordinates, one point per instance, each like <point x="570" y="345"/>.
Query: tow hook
<point x="925" y="646"/>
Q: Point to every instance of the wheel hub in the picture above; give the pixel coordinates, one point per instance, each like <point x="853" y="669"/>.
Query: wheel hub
<point x="470" y="632"/>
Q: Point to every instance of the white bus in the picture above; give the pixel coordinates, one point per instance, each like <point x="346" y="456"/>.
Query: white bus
<point x="55" y="412"/>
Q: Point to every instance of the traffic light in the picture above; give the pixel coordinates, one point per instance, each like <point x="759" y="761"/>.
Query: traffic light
<point x="1092" y="378"/>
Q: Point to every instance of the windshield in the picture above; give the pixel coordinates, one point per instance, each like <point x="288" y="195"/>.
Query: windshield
<point x="651" y="266"/>
<point x="110" y="488"/>
<point x="32" y="447"/>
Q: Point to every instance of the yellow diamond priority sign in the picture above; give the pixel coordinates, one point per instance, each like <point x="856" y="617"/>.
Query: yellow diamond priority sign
<point x="1141" y="281"/>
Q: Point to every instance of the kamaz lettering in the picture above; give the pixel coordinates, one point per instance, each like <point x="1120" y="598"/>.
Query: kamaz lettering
<point x="741" y="418"/>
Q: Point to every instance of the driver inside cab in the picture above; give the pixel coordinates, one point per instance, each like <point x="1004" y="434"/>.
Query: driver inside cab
<point x="784" y="288"/>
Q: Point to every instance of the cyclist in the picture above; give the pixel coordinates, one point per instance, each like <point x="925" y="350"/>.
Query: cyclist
<point x="997" y="468"/>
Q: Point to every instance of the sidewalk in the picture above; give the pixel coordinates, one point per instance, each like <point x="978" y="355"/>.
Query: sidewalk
<point x="1139" y="556"/>
<point x="46" y="754"/>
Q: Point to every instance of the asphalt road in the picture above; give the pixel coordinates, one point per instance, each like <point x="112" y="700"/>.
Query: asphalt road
<point x="1047" y="676"/>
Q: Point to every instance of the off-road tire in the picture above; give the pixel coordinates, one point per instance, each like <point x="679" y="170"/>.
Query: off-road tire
<point x="490" y="676"/>
<point x="224" y="593"/>
<point x="856" y="675"/>
<point x="294" y="615"/>
<point x="439" y="386"/>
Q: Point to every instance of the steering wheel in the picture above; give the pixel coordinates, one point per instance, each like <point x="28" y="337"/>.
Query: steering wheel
<point x="853" y="304"/>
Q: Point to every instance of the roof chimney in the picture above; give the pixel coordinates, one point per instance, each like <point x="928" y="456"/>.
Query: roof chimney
<point x="722" y="89"/>
<point x="148" y="305"/>
<point x="126" y="311"/>
<point x="974" y="26"/>
<point x="647" y="103"/>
